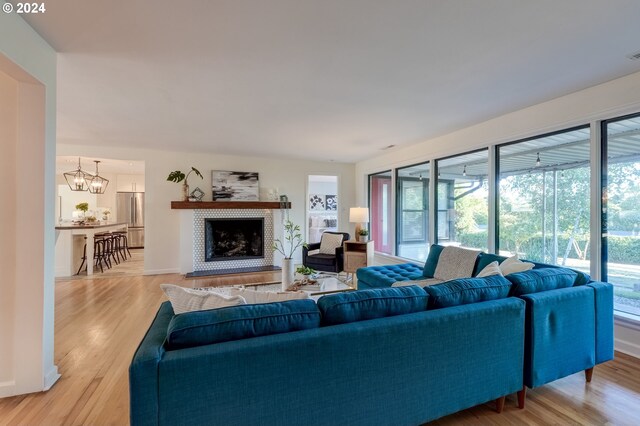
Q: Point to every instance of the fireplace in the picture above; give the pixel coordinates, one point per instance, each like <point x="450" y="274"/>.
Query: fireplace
<point x="233" y="239"/>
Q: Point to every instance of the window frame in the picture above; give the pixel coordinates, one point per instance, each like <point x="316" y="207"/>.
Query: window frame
<point x="398" y="204"/>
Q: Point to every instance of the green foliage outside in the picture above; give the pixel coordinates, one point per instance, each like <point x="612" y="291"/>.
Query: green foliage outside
<point x="521" y="222"/>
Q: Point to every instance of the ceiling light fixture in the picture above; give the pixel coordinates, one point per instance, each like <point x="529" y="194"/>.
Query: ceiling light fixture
<point x="538" y="162"/>
<point x="464" y="171"/>
<point x="78" y="180"/>
<point x="97" y="184"/>
<point x="420" y="178"/>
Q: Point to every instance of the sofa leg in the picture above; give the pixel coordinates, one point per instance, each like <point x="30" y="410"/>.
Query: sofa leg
<point x="588" y="373"/>
<point x="522" y="394"/>
<point x="500" y="404"/>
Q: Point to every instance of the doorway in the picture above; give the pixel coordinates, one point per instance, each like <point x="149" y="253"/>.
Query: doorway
<point x="322" y="206"/>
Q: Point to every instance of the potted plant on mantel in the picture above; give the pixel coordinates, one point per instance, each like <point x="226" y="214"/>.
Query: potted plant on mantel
<point x="179" y="176"/>
<point x="287" y="248"/>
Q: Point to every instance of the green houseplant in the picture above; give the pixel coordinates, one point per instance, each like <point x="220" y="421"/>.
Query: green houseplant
<point x="83" y="207"/>
<point x="287" y="247"/>
<point x="363" y="233"/>
<point x="178" y="176"/>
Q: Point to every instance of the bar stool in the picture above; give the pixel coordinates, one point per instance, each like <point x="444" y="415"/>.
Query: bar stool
<point x="124" y="242"/>
<point x="98" y="255"/>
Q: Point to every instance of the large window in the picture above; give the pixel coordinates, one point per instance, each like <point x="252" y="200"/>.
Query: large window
<point x="543" y="198"/>
<point x="380" y="204"/>
<point x="463" y="200"/>
<point x="412" y="215"/>
<point x="621" y="208"/>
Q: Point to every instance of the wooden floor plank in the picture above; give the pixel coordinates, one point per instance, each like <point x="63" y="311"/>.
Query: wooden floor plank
<point x="100" y="321"/>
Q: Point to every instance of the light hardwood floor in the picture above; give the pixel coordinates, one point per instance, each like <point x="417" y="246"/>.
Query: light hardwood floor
<point x="99" y="323"/>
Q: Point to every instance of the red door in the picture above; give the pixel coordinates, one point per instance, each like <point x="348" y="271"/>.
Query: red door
<point x="381" y="213"/>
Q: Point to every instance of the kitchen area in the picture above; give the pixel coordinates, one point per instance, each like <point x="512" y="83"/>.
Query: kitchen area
<point x="100" y="209"/>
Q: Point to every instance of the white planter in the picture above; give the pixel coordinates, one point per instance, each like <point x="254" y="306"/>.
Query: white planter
<point x="288" y="273"/>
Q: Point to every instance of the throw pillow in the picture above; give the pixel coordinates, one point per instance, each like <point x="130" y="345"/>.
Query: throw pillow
<point x="372" y="303"/>
<point x="491" y="269"/>
<point x="542" y="279"/>
<point x="241" y="322"/>
<point x="513" y="265"/>
<point x="455" y="262"/>
<point x="467" y="290"/>
<point x="254" y="296"/>
<point x="188" y="300"/>
<point x="330" y="242"/>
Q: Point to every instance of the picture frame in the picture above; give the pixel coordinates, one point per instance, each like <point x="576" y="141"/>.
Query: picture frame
<point x="235" y="186"/>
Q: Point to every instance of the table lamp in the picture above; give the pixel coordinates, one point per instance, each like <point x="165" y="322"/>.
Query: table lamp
<point x="359" y="215"/>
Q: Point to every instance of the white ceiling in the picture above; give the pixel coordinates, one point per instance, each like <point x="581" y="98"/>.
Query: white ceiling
<point x="322" y="79"/>
<point x="107" y="165"/>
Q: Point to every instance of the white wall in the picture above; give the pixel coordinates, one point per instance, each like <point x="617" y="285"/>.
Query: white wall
<point x="162" y="225"/>
<point x="614" y="98"/>
<point x="28" y="182"/>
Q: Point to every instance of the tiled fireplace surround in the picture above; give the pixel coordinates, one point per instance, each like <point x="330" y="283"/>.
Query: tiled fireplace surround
<point x="192" y="238"/>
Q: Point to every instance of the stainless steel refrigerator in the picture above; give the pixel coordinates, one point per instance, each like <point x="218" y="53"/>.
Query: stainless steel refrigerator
<point x="130" y="209"/>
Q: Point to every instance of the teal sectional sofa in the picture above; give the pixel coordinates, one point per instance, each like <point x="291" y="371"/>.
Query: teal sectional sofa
<point x="569" y="317"/>
<point x="382" y="356"/>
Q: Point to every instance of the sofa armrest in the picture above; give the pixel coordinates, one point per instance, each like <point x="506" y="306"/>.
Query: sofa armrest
<point x="559" y="334"/>
<point x="143" y="371"/>
<point x="604" y="320"/>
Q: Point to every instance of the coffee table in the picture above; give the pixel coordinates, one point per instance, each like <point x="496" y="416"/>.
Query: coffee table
<point x="326" y="284"/>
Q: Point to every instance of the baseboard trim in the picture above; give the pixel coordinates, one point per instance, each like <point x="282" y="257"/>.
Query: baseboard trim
<point x="161" y="271"/>
<point x="7" y="388"/>
<point x="51" y="378"/>
<point x="628" y="348"/>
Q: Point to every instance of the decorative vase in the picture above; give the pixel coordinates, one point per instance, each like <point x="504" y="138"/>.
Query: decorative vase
<point x="288" y="273"/>
<point x="185" y="191"/>
<point x="363" y="238"/>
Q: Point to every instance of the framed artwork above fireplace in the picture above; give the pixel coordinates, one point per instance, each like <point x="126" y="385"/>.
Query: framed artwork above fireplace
<point x="235" y="186"/>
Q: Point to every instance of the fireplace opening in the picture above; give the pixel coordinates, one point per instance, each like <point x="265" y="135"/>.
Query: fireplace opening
<point x="233" y="239"/>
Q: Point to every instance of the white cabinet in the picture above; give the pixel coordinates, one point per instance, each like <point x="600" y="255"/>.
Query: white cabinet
<point x="130" y="183"/>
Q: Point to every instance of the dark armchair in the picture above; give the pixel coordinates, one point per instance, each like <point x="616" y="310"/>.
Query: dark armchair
<point x="325" y="262"/>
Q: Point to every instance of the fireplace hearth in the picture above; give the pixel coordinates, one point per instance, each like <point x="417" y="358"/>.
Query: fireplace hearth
<point x="233" y="239"/>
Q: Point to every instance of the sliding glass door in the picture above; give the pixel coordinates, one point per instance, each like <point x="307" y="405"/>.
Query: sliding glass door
<point x="621" y="211"/>
<point x="412" y="214"/>
<point x="544" y="198"/>
<point x="463" y="200"/>
<point x="380" y="205"/>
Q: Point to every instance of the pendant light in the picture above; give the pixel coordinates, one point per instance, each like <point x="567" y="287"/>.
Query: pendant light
<point x="97" y="184"/>
<point x="78" y="180"/>
<point x="538" y="162"/>
<point x="464" y="171"/>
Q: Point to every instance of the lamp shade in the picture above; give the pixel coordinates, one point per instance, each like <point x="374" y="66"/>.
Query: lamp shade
<point x="359" y="215"/>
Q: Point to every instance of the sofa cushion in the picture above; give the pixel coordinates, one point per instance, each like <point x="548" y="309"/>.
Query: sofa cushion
<point x="240" y="322"/>
<point x="467" y="290"/>
<point x="485" y="259"/>
<point x="432" y="260"/>
<point x="385" y="276"/>
<point x="188" y="300"/>
<point x="543" y="279"/>
<point x="373" y="303"/>
<point x="582" y="278"/>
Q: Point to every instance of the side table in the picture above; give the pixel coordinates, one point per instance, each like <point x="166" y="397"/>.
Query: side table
<point x="357" y="255"/>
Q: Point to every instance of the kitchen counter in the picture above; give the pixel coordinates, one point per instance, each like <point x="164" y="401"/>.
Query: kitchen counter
<point x="87" y="225"/>
<point x="70" y="241"/>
